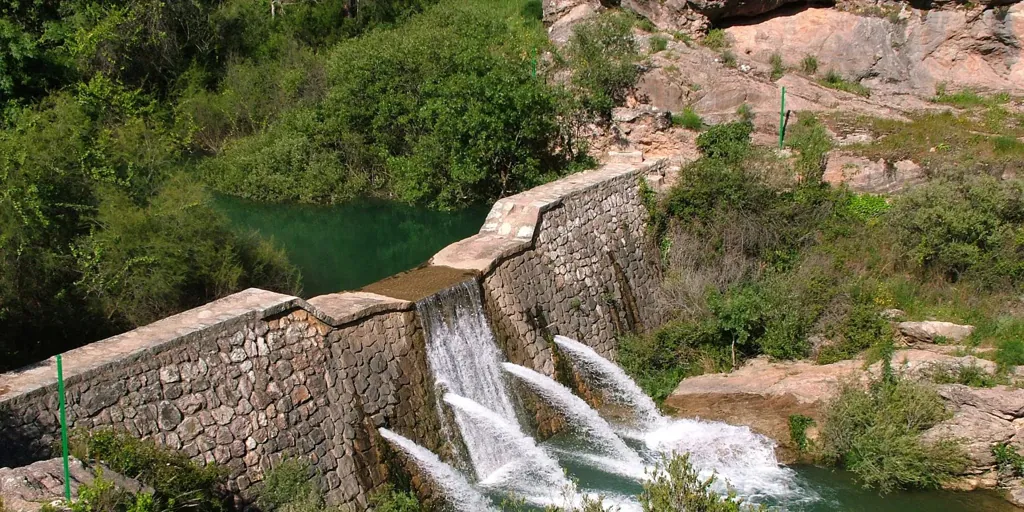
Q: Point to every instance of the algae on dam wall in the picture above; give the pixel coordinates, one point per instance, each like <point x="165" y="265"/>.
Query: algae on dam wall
<point x="257" y="376"/>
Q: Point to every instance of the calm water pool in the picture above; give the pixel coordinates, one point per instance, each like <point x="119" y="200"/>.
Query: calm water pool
<point x="348" y="246"/>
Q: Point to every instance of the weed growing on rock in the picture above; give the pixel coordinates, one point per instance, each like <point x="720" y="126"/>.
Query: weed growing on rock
<point x="1009" y="459"/>
<point x="967" y="374"/>
<point x="675" y="486"/>
<point x="777" y="68"/>
<point x="834" y="80"/>
<point x="728" y="59"/>
<point x="388" y="499"/>
<point x="809" y="64"/>
<point x="715" y="39"/>
<point x="688" y="119"/>
<point x="658" y="44"/>
<point x="745" y="113"/>
<point x="798" y="425"/>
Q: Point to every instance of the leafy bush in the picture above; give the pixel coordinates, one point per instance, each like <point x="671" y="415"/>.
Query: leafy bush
<point x="798" y="425"/>
<point x="745" y="112"/>
<point x="675" y="486"/>
<point x="836" y="81"/>
<point x="688" y="119"/>
<point x="809" y="64"/>
<point x="604" y="60"/>
<point x="778" y="69"/>
<point x="103" y="496"/>
<point x="1010" y="352"/>
<point x="178" y="482"/>
<point x="387" y="499"/>
<point x="728" y="142"/>
<point x="812" y="140"/>
<point x="658" y="44"/>
<point x="715" y="39"/>
<point x="876" y="434"/>
<point x="972" y="225"/>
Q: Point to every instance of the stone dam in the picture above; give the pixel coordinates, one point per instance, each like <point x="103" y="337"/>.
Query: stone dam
<point x="257" y="376"/>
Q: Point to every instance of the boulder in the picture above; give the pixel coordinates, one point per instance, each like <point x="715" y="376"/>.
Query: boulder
<point x="867" y="176"/>
<point x="929" y="331"/>
<point x="982" y="418"/>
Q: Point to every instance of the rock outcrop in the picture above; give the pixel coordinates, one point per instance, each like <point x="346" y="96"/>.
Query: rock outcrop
<point x="764" y="394"/>
<point x="909" y="53"/>
<point x="930" y="331"/>
<point x="28" y="488"/>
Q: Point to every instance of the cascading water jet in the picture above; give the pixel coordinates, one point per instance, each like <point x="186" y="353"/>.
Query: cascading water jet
<point x="455" y="487"/>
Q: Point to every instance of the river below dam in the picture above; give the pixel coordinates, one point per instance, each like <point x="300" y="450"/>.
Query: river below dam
<point x="348" y="246"/>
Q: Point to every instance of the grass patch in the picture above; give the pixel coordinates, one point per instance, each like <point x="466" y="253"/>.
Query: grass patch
<point x="716" y="39"/>
<point x="970" y="374"/>
<point x="967" y="98"/>
<point x="728" y="59"/>
<point x="1009" y="460"/>
<point x="833" y="80"/>
<point x="688" y="119"/>
<point x="658" y="44"/>
<point x="777" y="68"/>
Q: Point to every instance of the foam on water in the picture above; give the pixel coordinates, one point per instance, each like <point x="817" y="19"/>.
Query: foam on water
<point x="455" y="487"/>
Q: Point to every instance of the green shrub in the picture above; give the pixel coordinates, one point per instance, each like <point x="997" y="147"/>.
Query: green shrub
<point x="103" y="496"/>
<point x="728" y="59"/>
<point x="1010" y="352"/>
<point x="645" y="24"/>
<point x="809" y="64"/>
<point x="867" y="206"/>
<point x="387" y="499"/>
<point x="727" y="142"/>
<point x="178" y="482"/>
<point x="658" y="44"/>
<point x="675" y="486"/>
<point x="778" y="69"/>
<point x="715" y="39"/>
<point x="810" y="137"/>
<point x="289" y="481"/>
<point x="688" y="119"/>
<point x="836" y="81"/>
<point x="971" y="225"/>
<point x="1009" y="460"/>
<point x="876" y="434"/>
<point x="604" y="58"/>
<point x="798" y="425"/>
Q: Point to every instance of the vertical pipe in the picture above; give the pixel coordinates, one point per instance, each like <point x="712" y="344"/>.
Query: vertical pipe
<point x="782" y="119"/>
<point x="63" y="428"/>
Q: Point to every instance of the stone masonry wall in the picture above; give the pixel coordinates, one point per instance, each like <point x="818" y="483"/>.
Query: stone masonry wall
<point x="276" y="382"/>
<point x="258" y="376"/>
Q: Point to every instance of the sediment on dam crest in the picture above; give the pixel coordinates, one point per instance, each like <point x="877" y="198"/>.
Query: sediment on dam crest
<point x="257" y="376"/>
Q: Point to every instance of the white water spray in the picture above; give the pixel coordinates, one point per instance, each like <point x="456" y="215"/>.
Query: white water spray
<point x="612" y="380"/>
<point x="584" y="420"/>
<point x="532" y="473"/>
<point x="464" y="360"/>
<point x="456" y="489"/>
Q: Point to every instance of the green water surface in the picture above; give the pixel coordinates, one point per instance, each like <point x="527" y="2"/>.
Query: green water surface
<point x="349" y="246"/>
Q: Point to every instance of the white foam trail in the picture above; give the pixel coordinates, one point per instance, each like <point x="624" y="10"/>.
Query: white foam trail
<point x="459" y="492"/>
<point x="464" y="358"/>
<point x="584" y="420"/>
<point x="531" y="473"/>
<point x="612" y="381"/>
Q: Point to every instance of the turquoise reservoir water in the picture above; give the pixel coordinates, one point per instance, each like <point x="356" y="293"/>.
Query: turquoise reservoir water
<point x="348" y="246"/>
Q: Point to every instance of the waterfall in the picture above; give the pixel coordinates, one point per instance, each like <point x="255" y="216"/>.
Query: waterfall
<point x="459" y="492"/>
<point x="583" y="419"/>
<point x="464" y="360"/>
<point x="532" y="474"/>
<point x="612" y="380"/>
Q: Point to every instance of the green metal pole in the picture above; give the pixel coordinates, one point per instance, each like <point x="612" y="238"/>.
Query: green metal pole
<point x="782" y="119"/>
<point x="63" y="428"/>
